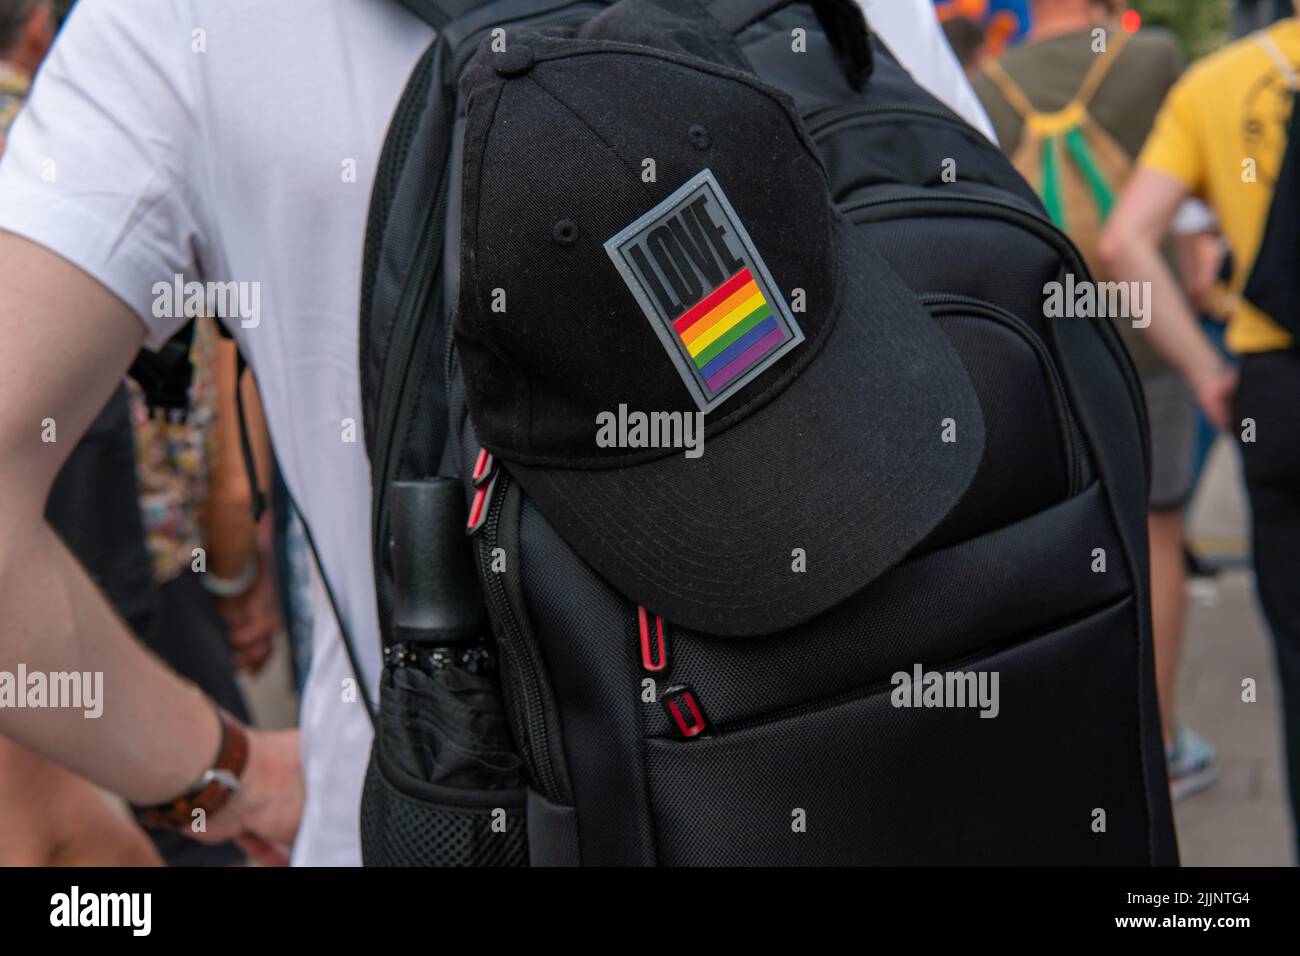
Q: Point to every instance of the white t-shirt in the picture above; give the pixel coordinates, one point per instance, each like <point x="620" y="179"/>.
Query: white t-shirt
<point x="214" y="139"/>
<point x="236" y="141"/>
<point x="910" y="28"/>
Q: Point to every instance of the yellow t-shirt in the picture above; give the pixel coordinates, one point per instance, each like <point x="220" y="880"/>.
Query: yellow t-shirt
<point x="1221" y="132"/>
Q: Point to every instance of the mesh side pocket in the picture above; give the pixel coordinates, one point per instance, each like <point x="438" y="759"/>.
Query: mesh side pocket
<point x="409" y="823"/>
<point x="442" y="787"/>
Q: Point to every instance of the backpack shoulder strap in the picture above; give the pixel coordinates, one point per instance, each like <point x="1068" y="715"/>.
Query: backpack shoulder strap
<point x="841" y="20"/>
<point x="1269" y="46"/>
<point x="1087" y="89"/>
<point x="1010" y="89"/>
<point x="1100" y="68"/>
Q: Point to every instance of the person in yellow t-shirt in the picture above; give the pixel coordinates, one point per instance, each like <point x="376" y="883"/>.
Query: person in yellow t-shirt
<point x="1221" y="136"/>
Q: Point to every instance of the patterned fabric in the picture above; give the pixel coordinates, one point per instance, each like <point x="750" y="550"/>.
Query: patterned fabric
<point x="13" y="91"/>
<point x="172" y="461"/>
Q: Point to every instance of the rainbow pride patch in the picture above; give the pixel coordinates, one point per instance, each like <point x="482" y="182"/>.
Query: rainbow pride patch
<point x="693" y="269"/>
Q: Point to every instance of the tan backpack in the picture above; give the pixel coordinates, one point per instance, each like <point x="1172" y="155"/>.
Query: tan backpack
<point x="1074" y="165"/>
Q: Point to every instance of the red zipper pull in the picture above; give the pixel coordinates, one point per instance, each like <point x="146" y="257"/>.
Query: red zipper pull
<point x="654" y="642"/>
<point x="484" y="478"/>
<point x="684" y="709"/>
<point x="484" y="465"/>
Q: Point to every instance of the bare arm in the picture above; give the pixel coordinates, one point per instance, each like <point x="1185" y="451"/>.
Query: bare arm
<point x="232" y="536"/>
<point x="1130" y="249"/>
<point x="51" y="817"/>
<point x="252" y="618"/>
<point x="67" y="341"/>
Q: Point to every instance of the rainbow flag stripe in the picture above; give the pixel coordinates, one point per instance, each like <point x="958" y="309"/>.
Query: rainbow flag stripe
<point x="730" y="330"/>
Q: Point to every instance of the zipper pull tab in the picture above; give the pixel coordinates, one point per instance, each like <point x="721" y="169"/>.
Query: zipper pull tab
<point x="654" y="642"/>
<point x="684" y="708"/>
<point x="484" y="479"/>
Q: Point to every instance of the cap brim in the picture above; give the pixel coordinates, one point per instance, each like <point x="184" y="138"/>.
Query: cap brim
<point x="807" y="499"/>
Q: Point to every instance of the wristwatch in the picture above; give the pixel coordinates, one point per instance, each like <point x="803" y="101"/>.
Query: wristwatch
<point x="211" y="791"/>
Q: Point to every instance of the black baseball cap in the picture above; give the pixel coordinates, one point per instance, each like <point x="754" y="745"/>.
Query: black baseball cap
<point x="648" y="230"/>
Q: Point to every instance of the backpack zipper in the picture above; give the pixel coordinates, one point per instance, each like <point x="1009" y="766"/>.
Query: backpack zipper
<point x="519" y="655"/>
<point x="859" y="211"/>
<point x="397" y="147"/>
<point x="401" y="347"/>
<point x="878" y="686"/>
<point x="822" y="122"/>
<point x="954" y="304"/>
<point x="407" y="343"/>
<point x="395" y="398"/>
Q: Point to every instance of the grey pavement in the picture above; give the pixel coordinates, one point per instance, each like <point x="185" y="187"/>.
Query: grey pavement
<point x="1243" y="819"/>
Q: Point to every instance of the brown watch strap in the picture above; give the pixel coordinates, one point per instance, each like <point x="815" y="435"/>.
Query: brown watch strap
<point x="212" y="792"/>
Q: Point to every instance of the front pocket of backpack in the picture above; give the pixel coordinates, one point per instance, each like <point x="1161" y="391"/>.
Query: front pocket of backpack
<point x="1015" y="775"/>
<point x="962" y="601"/>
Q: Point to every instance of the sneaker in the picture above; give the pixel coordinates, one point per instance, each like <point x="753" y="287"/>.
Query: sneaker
<point x="1192" y="764"/>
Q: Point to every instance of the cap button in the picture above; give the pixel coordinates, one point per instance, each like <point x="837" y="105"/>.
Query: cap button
<point x="515" y="61"/>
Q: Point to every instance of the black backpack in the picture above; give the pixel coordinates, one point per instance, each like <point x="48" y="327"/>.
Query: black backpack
<point x="779" y="748"/>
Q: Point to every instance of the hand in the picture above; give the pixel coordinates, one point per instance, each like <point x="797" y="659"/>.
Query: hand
<point x="1214" y="394"/>
<point x="252" y="621"/>
<point x="263" y="816"/>
<point x="253" y="618"/>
